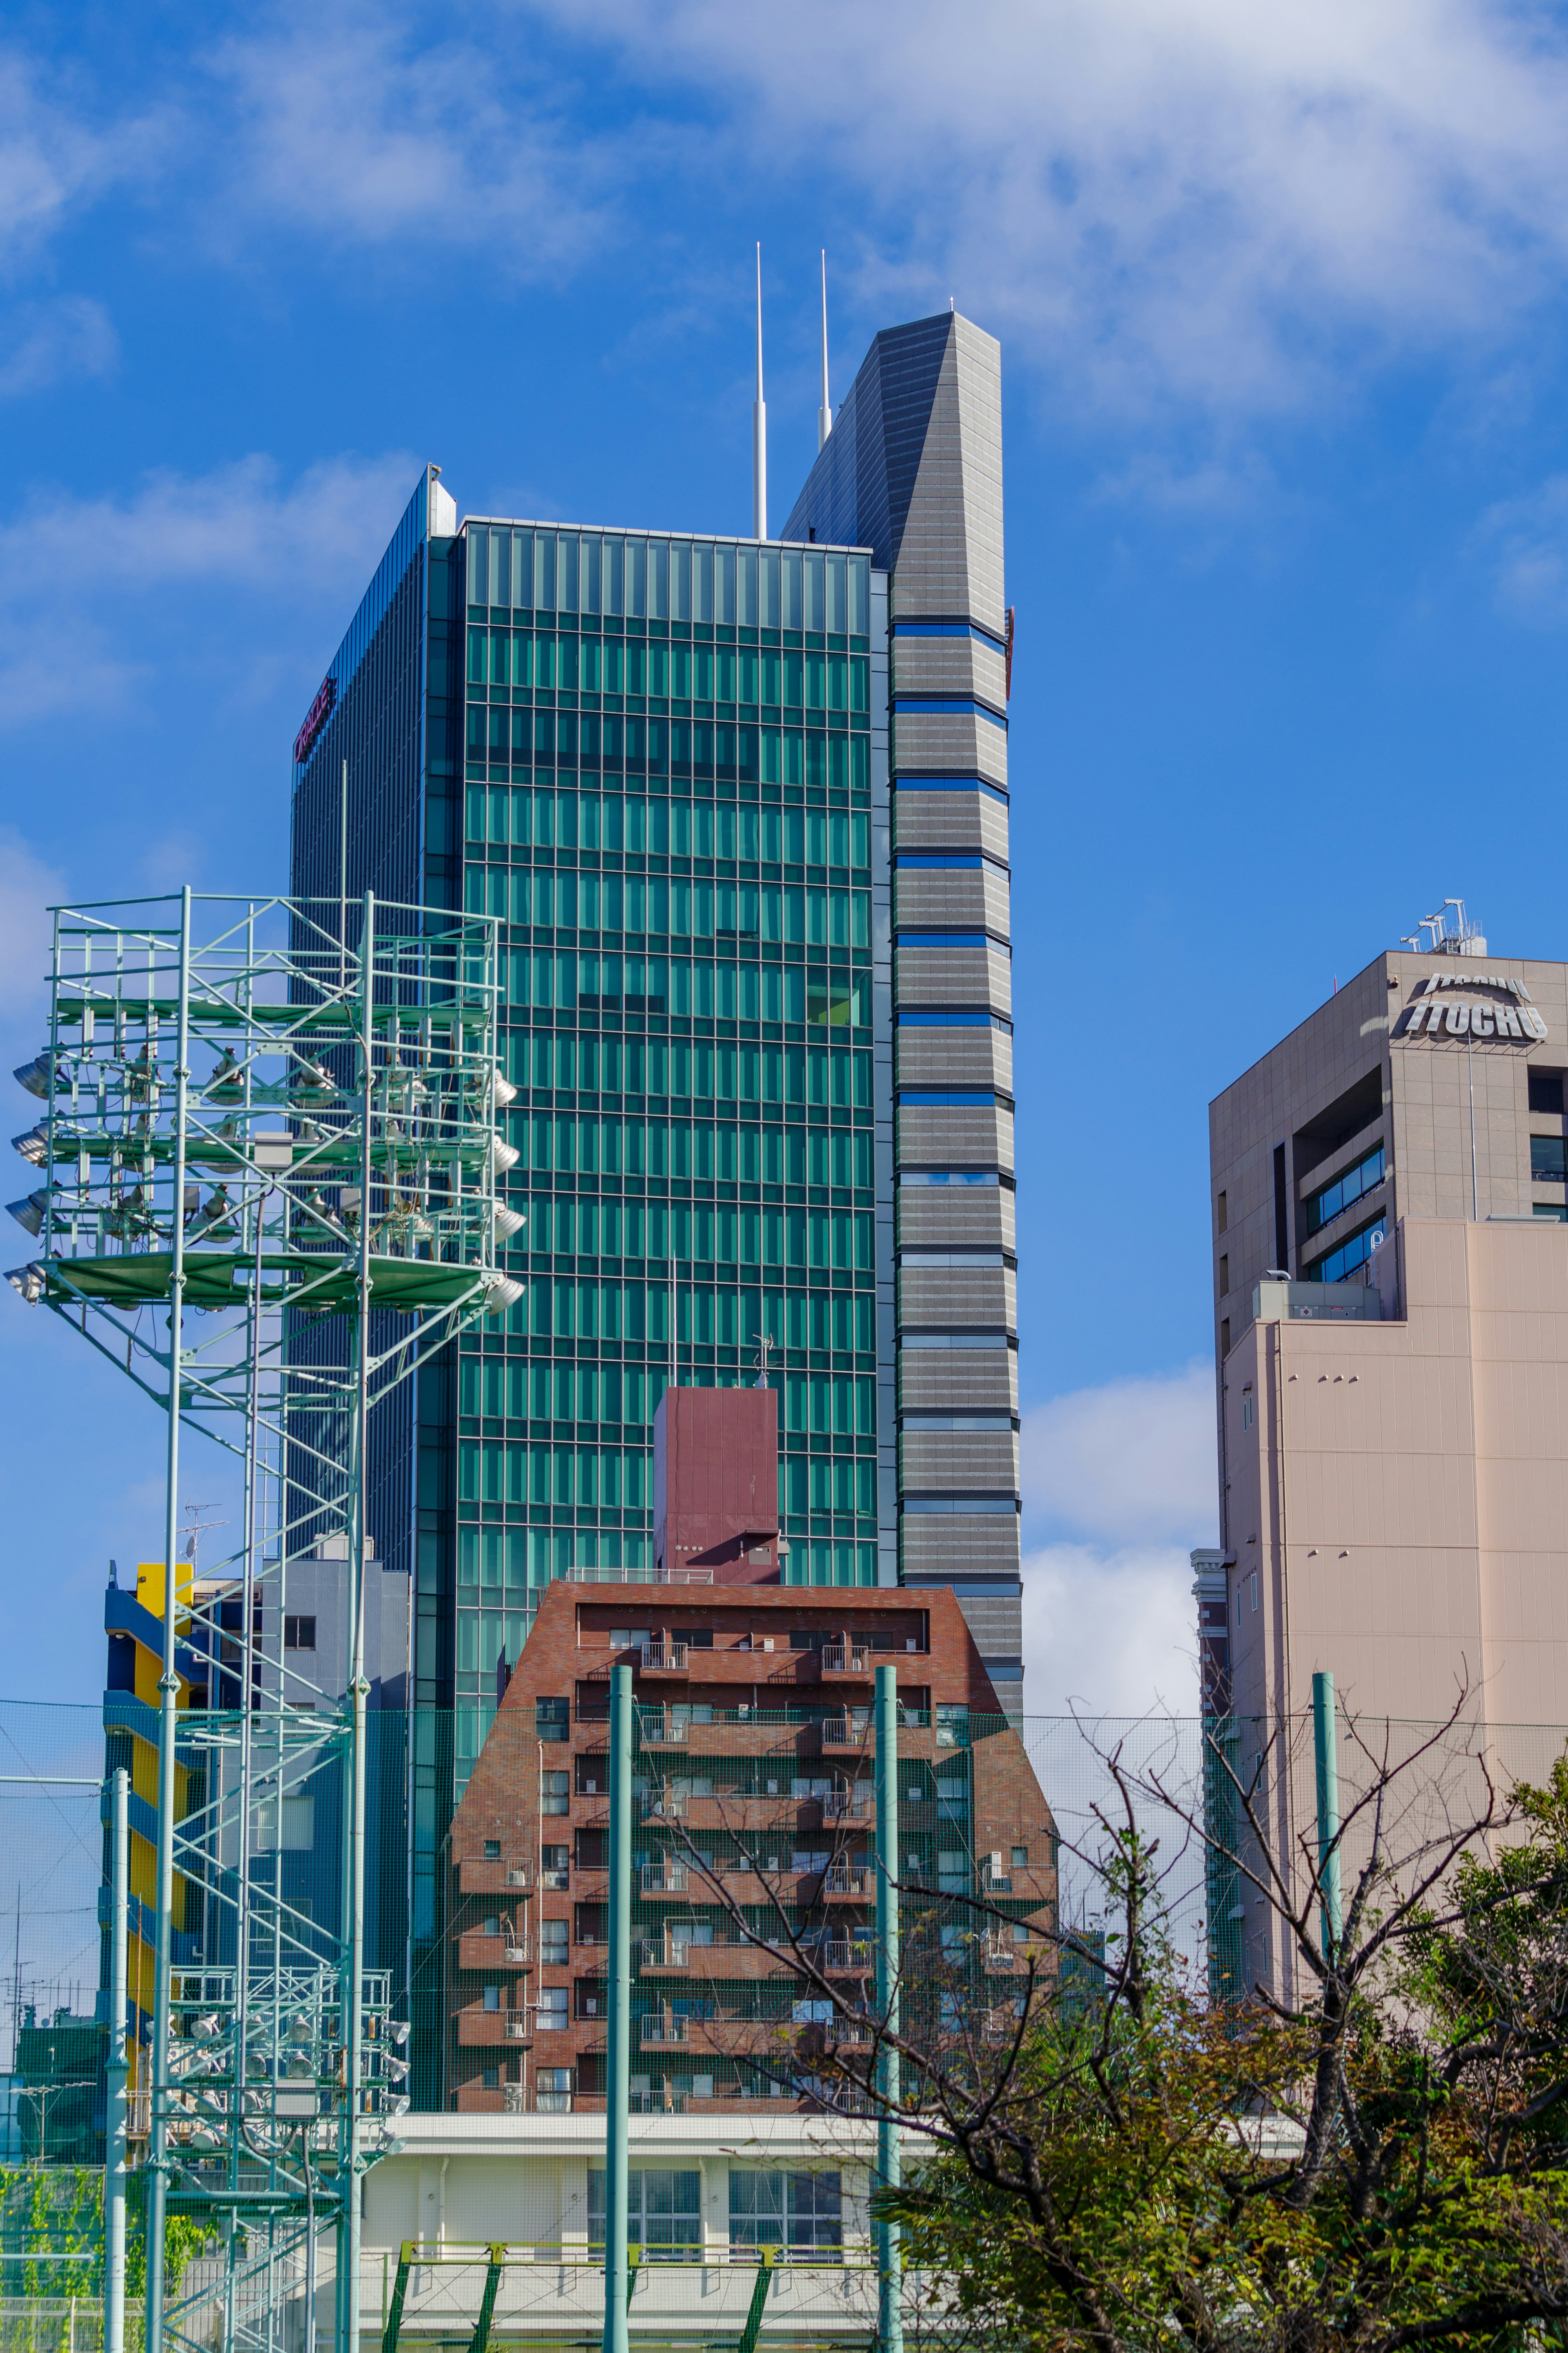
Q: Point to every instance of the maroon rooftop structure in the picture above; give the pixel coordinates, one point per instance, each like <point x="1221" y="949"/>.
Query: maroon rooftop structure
<point x="715" y="1486"/>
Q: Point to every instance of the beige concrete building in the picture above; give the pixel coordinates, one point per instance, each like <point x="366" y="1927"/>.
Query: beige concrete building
<point x="1391" y="1318"/>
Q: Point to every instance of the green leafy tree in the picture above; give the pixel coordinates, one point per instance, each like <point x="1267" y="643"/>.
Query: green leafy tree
<point x="1380" y="2164"/>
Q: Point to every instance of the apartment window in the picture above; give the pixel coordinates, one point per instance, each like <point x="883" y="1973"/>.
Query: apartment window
<point x="1327" y="1203"/>
<point x="551" y="2014"/>
<point x="1222" y="1214"/>
<point x="1547" y="1163"/>
<point x="492" y="1850"/>
<point x="1253" y="1582"/>
<point x="1545" y="1090"/>
<point x="800" y="2211"/>
<point x="492" y="1996"/>
<point x="298" y="1633"/>
<point x="555" y="1866"/>
<point x="664" y="2211"/>
<point x="1247" y="1404"/>
<point x="1556" y="1210"/>
<point x="1224" y="1273"/>
<point x="1225" y="1336"/>
<point x="490" y="2079"/>
<point x="1020" y="1858"/>
<point x="551" y="1719"/>
<point x="554" y="1794"/>
<point x="552" y="1943"/>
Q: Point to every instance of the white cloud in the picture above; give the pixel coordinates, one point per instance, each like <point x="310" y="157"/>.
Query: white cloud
<point x="1198" y="198"/>
<point x="1525" y="541"/>
<point x="241" y="523"/>
<point x="56" y="340"/>
<point x="1131" y="1463"/>
<point x="348" y="122"/>
<point x="54" y="159"/>
<point x="1118" y="1481"/>
<point x="1108" y="1630"/>
<point x="77" y="570"/>
<point x="29" y="888"/>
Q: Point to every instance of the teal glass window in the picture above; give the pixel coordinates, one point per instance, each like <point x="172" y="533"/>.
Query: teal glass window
<point x="1329" y="1200"/>
<point x="1350" y="1255"/>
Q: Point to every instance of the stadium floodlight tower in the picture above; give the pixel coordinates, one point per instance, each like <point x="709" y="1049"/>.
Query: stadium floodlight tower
<point x="267" y="1160"/>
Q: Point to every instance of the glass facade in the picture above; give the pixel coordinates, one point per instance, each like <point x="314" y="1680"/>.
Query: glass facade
<point x="667" y="802"/>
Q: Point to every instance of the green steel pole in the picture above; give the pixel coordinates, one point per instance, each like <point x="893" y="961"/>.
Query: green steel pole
<point x="169" y="1681"/>
<point x="119" y="2072"/>
<point x="1326" y="1754"/>
<point x="358" y="1687"/>
<point x="890" y="2252"/>
<point x="618" y="2053"/>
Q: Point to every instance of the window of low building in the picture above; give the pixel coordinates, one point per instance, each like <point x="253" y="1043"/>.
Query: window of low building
<point x="801" y="2212"/>
<point x="664" y="2211"/>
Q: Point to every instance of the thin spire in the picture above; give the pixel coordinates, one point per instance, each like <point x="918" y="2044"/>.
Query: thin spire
<point x="759" y="428"/>
<point x="825" y="414"/>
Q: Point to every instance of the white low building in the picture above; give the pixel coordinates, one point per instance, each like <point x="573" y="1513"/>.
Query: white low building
<point x="708" y="2197"/>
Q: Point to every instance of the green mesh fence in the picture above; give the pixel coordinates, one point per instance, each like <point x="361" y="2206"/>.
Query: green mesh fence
<point x="1004" y="1829"/>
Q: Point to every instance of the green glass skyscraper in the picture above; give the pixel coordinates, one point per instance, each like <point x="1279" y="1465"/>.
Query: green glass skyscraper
<point x="668" y="766"/>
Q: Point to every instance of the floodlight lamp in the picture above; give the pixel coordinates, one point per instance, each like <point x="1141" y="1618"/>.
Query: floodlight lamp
<point x="34" y="1077"/>
<point x="311" y="1082"/>
<point x="35" y="1145"/>
<point x="397" y="2030"/>
<point x="400" y="2105"/>
<point x="503" y="1155"/>
<point x="27" y="1281"/>
<point x="507" y="1221"/>
<point x="397" y="2069"/>
<point x="227" y="1084"/>
<point x="501" y="1292"/>
<point x="30" y="1214"/>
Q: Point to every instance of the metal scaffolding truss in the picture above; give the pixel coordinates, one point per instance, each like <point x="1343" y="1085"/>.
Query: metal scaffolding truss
<point x="267" y="1163"/>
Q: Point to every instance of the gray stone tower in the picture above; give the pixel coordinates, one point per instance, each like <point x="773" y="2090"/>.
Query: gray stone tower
<point x="912" y="469"/>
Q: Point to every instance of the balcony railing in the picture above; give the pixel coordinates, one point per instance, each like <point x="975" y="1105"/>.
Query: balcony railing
<point x="850" y="1805"/>
<point x="1000" y="1955"/>
<point x="668" y="1657"/>
<point x="658" y="2033"/>
<point x="664" y="1879"/>
<point x="519" y="2029"/>
<point x="846" y="1658"/>
<point x="663" y="1731"/>
<point x="518" y="1952"/>
<point x="846" y="1955"/>
<point x="844" y="1731"/>
<point x="838" y="1879"/>
<point x="663" y="1805"/>
<point x="520" y="1874"/>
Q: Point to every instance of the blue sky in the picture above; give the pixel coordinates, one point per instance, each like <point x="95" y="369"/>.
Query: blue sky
<point x="1282" y="297"/>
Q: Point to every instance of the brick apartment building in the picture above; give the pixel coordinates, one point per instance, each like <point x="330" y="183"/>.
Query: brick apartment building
<point x="752" y="1772"/>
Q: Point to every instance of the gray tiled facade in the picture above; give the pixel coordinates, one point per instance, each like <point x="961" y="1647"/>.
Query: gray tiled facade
<point x="913" y="471"/>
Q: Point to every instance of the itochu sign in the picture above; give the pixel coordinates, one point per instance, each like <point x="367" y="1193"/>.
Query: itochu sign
<point x="1507" y="1015"/>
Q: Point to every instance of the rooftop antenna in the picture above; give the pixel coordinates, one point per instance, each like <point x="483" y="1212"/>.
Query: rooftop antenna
<point x="759" y="428"/>
<point x="825" y="414"/>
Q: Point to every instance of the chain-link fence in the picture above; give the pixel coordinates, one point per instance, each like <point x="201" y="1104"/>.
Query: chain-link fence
<point x="786" y="1795"/>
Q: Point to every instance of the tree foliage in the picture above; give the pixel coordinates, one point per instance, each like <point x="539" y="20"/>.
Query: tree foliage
<point x="1382" y="2163"/>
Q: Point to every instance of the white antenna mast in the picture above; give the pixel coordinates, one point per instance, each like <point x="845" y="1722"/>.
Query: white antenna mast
<point x="825" y="414"/>
<point x="759" y="428"/>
